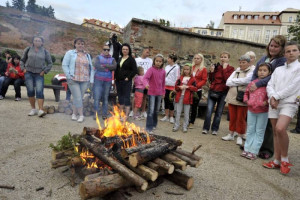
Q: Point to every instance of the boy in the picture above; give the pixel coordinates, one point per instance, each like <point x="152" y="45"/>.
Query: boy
<point x="283" y="89"/>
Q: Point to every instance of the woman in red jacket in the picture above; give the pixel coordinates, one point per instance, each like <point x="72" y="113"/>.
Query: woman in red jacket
<point x="15" y="76"/>
<point x="200" y="74"/>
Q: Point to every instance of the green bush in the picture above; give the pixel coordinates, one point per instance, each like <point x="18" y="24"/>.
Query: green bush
<point x="53" y="58"/>
<point x="10" y="51"/>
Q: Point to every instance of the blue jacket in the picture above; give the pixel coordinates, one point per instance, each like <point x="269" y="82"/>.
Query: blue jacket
<point x="277" y="62"/>
<point x="68" y="64"/>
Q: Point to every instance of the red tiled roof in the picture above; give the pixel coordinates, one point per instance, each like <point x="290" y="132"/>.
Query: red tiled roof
<point x="228" y="18"/>
<point x="100" y="24"/>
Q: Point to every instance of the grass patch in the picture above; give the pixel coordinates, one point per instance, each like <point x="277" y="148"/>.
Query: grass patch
<point x="49" y="76"/>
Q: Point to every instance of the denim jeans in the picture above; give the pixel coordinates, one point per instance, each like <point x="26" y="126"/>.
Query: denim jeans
<point x="2" y="78"/>
<point x="17" y="85"/>
<point x="218" y="114"/>
<point x="34" y="85"/>
<point x="186" y="111"/>
<point x="124" y="91"/>
<point x="256" y="127"/>
<point x="78" y="89"/>
<point x="153" y="108"/>
<point x="101" y="91"/>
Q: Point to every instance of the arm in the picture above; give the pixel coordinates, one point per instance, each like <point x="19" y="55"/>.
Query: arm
<point x="271" y="86"/>
<point x="163" y="85"/>
<point x="229" y="82"/>
<point x="227" y="72"/>
<point x="192" y="86"/>
<point x="92" y="72"/>
<point x="246" y="94"/>
<point x="241" y="81"/>
<point x="24" y="58"/>
<point x="66" y="64"/>
<point x="293" y="87"/>
<point x="203" y="79"/>
<point x="147" y="77"/>
<point x="177" y="84"/>
<point x="48" y="61"/>
<point x="133" y="70"/>
<point x="111" y="67"/>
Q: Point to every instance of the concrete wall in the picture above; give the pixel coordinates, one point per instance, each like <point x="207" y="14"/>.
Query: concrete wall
<point x="166" y="40"/>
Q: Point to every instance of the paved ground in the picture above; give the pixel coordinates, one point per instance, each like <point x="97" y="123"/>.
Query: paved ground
<point x="25" y="156"/>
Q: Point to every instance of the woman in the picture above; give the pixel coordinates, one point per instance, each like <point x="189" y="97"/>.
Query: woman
<point x="200" y="74"/>
<point x="79" y="71"/>
<point x="15" y="76"/>
<point x="36" y="61"/>
<point x="172" y="74"/>
<point x="238" y="82"/>
<point x="104" y="65"/>
<point x="126" y="70"/>
<point x="275" y="56"/>
<point x="252" y="58"/>
<point x="218" y="75"/>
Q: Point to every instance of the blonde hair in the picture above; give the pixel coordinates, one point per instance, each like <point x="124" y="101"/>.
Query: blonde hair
<point x="190" y="68"/>
<point x="226" y="53"/>
<point x="202" y="60"/>
<point x="251" y="54"/>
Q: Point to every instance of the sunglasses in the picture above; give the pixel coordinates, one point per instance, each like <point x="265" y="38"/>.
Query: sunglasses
<point x="105" y="49"/>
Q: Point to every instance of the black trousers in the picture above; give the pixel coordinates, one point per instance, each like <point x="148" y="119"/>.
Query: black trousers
<point x="298" y="121"/>
<point x="17" y="84"/>
<point x="194" y="108"/>
<point x="268" y="144"/>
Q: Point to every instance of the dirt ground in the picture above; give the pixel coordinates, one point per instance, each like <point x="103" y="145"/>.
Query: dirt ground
<point x="25" y="160"/>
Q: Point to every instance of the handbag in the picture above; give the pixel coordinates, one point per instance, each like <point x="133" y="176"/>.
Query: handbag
<point x="240" y="94"/>
<point x="214" y="94"/>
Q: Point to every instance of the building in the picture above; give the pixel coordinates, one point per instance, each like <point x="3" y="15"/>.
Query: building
<point x="100" y="25"/>
<point x="208" y="31"/>
<point x="257" y="27"/>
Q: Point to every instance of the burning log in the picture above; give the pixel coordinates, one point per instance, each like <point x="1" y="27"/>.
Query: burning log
<point x="60" y="162"/>
<point x="125" y="152"/>
<point x="91" y="131"/>
<point x="188" y="154"/>
<point x="177" y="162"/>
<point x="191" y="162"/>
<point x="61" y="154"/>
<point x="77" y="162"/>
<point x="97" y="150"/>
<point x="167" y="139"/>
<point x="181" y="179"/>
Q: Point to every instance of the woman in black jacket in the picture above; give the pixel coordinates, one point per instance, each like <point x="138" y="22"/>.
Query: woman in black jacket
<point x="125" y="72"/>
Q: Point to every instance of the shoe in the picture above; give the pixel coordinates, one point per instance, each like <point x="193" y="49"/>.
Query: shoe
<point x="191" y="126"/>
<point x="172" y="120"/>
<point x="251" y="156"/>
<point x="271" y="165"/>
<point x="175" y="129"/>
<point x="144" y="114"/>
<point x="244" y="137"/>
<point x="41" y="113"/>
<point x="154" y="128"/>
<point x="239" y="141"/>
<point x="294" y="131"/>
<point x="1" y="97"/>
<point x="142" y="117"/>
<point x="214" y="132"/>
<point x="204" y="131"/>
<point x="131" y="114"/>
<point x="228" y="137"/>
<point x="164" y="119"/>
<point x="235" y="134"/>
<point x="33" y="112"/>
<point x="80" y="118"/>
<point x="184" y="130"/>
<point x="244" y="153"/>
<point x="18" y="99"/>
<point x="149" y="132"/>
<point x="264" y="155"/>
<point x="285" y="167"/>
<point x="74" y="117"/>
<point x="137" y="118"/>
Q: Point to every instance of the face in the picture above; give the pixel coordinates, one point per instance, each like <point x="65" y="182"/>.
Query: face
<point x="170" y="61"/>
<point x="263" y="72"/>
<point x="252" y="60"/>
<point x="16" y="60"/>
<point x="291" y="53"/>
<point x="125" y="50"/>
<point x="274" y="49"/>
<point x="158" y="62"/>
<point x="186" y="70"/>
<point x="141" y="72"/>
<point x="244" y="64"/>
<point x="105" y="50"/>
<point x="79" y="45"/>
<point x="197" y="59"/>
<point x="146" y="53"/>
<point x="37" y="42"/>
<point x="224" y="58"/>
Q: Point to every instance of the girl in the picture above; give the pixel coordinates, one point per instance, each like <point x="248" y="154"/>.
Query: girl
<point x="257" y="117"/>
<point x="185" y="86"/>
<point x="15" y="76"/>
<point x="139" y="92"/>
<point x="154" y="80"/>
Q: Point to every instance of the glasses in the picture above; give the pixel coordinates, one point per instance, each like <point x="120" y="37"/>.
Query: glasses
<point x="105" y="49"/>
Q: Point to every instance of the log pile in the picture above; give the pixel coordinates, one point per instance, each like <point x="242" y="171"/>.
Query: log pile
<point x="66" y="107"/>
<point x="140" y="166"/>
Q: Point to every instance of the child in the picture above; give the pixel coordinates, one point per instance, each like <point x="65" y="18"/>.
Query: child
<point x="139" y="92"/>
<point x="154" y="80"/>
<point x="257" y="117"/>
<point x="185" y="86"/>
<point x="283" y="89"/>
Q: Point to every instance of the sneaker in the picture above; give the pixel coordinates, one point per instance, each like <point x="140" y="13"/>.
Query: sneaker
<point x="191" y="126"/>
<point x="184" y="130"/>
<point x="172" y="120"/>
<point x="131" y="114"/>
<point x="1" y="97"/>
<point x="214" y="133"/>
<point x="251" y="156"/>
<point x="244" y="137"/>
<point x="271" y="165"/>
<point x="239" y="141"/>
<point x="41" y="113"/>
<point x="80" y="118"/>
<point x="204" y="131"/>
<point x="142" y="117"/>
<point x="33" y="112"/>
<point x="164" y="119"/>
<point x="175" y="129"/>
<point x="235" y="134"/>
<point x="144" y="114"/>
<point x="244" y="153"/>
<point x="154" y="128"/>
<point x="285" y="167"/>
<point x="228" y="137"/>
<point x="74" y="117"/>
<point x="18" y="99"/>
<point x="150" y="132"/>
<point x="137" y="118"/>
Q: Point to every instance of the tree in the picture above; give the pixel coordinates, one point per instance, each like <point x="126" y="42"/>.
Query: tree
<point x="31" y="6"/>
<point x="18" y="4"/>
<point x="7" y="4"/>
<point x="211" y="24"/>
<point x="50" y="12"/>
<point x="294" y="30"/>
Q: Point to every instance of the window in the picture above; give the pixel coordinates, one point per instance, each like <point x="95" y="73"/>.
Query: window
<point x="212" y="33"/>
<point x="274" y="32"/>
<point x="234" y="33"/>
<point x="267" y="38"/>
<point x="250" y="35"/>
<point x="274" y="17"/>
<point x="256" y="36"/>
<point x="219" y="33"/>
<point x="267" y="16"/>
<point x="290" y="19"/>
<point x="241" y="34"/>
<point x="235" y="16"/>
<point x="242" y="16"/>
<point x="256" y="17"/>
<point x="204" y="32"/>
<point x="199" y="31"/>
<point x="249" y="17"/>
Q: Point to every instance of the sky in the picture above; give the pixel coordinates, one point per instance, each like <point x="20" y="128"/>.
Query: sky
<point x="181" y="13"/>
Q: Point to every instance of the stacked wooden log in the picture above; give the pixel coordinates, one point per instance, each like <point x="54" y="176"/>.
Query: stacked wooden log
<point x="66" y="107"/>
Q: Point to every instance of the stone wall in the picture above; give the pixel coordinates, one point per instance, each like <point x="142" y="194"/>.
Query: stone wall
<point x="166" y="40"/>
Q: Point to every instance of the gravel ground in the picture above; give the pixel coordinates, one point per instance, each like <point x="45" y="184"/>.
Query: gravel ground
<point x="25" y="160"/>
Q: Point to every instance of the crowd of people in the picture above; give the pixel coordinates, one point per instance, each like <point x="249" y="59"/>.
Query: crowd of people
<point x="261" y="98"/>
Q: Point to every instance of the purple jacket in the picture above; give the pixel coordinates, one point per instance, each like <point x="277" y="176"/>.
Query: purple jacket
<point x="155" y="78"/>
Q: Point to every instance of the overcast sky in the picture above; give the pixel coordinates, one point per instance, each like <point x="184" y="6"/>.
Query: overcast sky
<point x="182" y="13"/>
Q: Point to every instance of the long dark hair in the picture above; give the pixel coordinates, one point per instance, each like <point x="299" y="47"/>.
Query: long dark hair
<point x="126" y="45"/>
<point x="13" y="60"/>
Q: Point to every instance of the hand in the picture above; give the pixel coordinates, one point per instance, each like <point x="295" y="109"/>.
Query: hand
<point x="42" y="73"/>
<point x="147" y="87"/>
<point x="24" y="71"/>
<point x="252" y="87"/>
<point x="274" y="103"/>
<point x="6" y="73"/>
<point x="181" y="87"/>
<point x="126" y="79"/>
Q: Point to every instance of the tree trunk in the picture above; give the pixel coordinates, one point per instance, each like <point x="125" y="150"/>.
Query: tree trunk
<point x="188" y="154"/>
<point x="177" y="162"/>
<point x="191" y="162"/>
<point x="161" y="166"/>
<point x="181" y="179"/>
<point x="126" y="152"/>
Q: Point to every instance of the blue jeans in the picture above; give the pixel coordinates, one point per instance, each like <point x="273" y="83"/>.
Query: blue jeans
<point x="101" y="91"/>
<point x="153" y="108"/>
<point x="123" y="92"/>
<point x="34" y="85"/>
<point x="2" y="78"/>
<point x="218" y="114"/>
<point x="256" y="127"/>
<point x="77" y="89"/>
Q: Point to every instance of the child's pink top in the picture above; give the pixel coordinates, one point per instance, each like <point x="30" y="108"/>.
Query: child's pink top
<point x="155" y="78"/>
<point x="138" y="82"/>
<point x="256" y="100"/>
